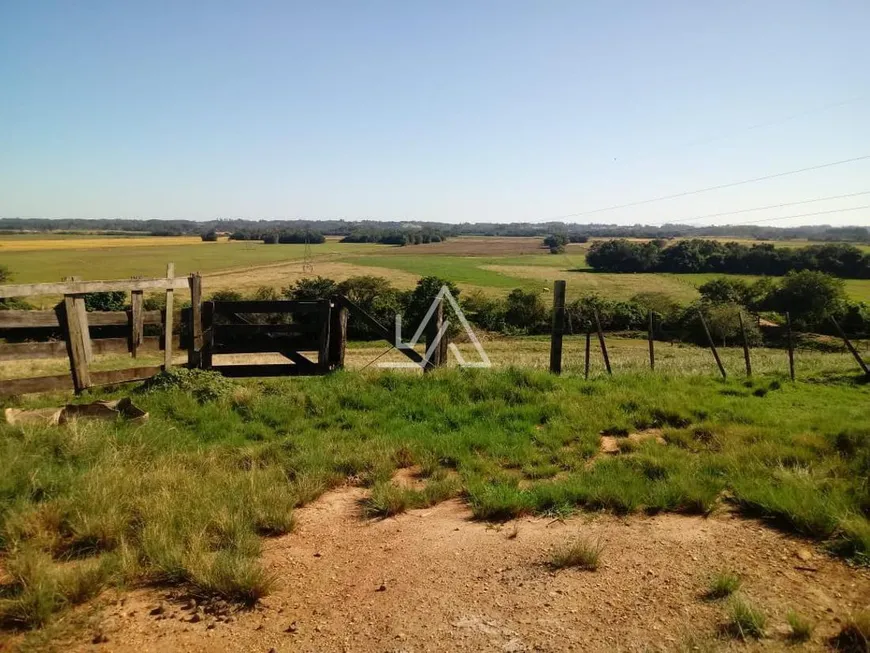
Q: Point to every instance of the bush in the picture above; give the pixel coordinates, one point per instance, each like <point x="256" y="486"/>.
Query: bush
<point x="526" y="311"/>
<point x="209" y="236"/>
<point x="115" y="300"/>
<point x="809" y="297"/>
<point x="310" y="289"/>
<point x="226" y="296"/>
<point x="204" y="385"/>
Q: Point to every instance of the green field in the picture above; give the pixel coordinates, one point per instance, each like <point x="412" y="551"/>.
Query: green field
<point x="34" y="266"/>
<point x="82" y="255"/>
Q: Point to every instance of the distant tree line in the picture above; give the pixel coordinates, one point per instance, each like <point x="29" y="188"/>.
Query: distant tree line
<point x="698" y="255"/>
<point x="347" y="227"/>
<point x="394" y="237"/>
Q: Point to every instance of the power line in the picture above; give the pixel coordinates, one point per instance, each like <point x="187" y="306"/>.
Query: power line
<point x="718" y="187"/>
<point x="802" y="215"/>
<point x="764" y="208"/>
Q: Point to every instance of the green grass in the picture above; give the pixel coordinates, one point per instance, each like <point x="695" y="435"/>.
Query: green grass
<point x="33" y="266"/>
<point x="579" y="554"/>
<point x="723" y="584"/>
<point x="801" y="627"/>
<point x="185" y="498"/>
<point x="745" y="620"/>
<point x="464" y="270"/>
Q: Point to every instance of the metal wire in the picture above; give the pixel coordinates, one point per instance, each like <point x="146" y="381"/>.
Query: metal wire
<point x="381" y="355"/>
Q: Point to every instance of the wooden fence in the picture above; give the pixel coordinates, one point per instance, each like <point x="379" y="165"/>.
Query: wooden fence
<point x="74" y="323"/>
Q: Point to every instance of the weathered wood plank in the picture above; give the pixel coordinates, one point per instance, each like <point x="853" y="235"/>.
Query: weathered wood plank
<point x="167" y="330"/>
<point x="224" y="332"/>
<point x="338" y="337"/>
<point x="63" y="382"/>
<point x="14" y="387"/>
<point x="712" y="346"/>
<point x="323" y="337"/>
<point x="266" y="306"/>
<point x="76" y="334"/>
<point x="558" y="327"/>
<point x="49" y="319"/>
<point x="601" y="341"/>
<point x="57" y="349"/>
<point x="137" y="323"/>
<point x="195" y="322"/>
<point x="746" y="358"/>
<point x="81" y="287"/>
<point x="205" y="360"/>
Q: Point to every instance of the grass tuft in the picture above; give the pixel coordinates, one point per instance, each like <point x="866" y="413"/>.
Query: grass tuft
<point x="801" y="627"/>
<point x="722" y="584"/>
<point x="744" y="619"/>
<point x="581" y="554"/>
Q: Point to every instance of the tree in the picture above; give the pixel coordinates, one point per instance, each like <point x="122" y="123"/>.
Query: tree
<point x="726" y="290"/>
<point x="808" y="296"/>
<point x="526" y="311"/>
<point x="310" y="289"/>
<point x="420" y="299"/>
<point x="210" y="236"/>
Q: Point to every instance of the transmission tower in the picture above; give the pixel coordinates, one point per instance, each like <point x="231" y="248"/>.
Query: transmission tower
<point x="307" y="262"/>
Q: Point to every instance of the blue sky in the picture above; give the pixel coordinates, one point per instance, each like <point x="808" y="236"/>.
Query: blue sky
<point x="475" y="110"/>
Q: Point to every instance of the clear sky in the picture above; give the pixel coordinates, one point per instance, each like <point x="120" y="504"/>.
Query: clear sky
<point x="450" y="110"/>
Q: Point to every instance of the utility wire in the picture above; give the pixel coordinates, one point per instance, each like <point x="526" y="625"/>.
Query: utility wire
<point x="718" y="187"/>
<point x="764" y="208"/>
<point x="803" y="215"/>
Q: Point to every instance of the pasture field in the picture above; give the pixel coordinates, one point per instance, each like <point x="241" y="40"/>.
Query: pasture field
<point x="185" y="499"/>
<point x="492" y="264"/>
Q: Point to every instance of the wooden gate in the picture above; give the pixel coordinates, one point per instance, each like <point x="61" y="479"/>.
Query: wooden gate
<point x="311" y="335"/>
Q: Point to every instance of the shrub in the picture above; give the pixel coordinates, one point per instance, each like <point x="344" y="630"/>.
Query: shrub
<point x="209" y="236"/>
<point x="114" y="300"/>
<point x="204" y="385"/>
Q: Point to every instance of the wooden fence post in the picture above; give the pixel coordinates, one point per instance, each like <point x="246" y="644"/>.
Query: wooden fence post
<point x="205" y="354"/>
<point x="167" y="331"/>
<point x="337" y="336"/>
<point x="746" y="358"/>
<point x="436" y="322"/>
<point x="137" y="322"/>
<point x="194" y="347"/>
<point x="78" y="341"/>
<point x="586" y="360"/>
<point x="601" y="341"/>
<point x="712" y="345"/>
<point x="790" y="345"/>
<point x="652" y="351"/>
<point x="323" y="340"/>
<point x="558" y="328"/>
<point x="850" y="347"/>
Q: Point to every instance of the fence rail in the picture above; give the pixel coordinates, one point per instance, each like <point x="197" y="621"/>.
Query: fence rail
<point x="79" y="344"/>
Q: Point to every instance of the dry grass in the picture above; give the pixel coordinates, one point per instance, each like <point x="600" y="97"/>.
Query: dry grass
<point x="579" y="554"/>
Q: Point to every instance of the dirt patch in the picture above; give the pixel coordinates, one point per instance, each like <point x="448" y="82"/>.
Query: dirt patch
<point x="434" y="580"/>
<point x="409" y="478"/>
<point x="610" y="444"/>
